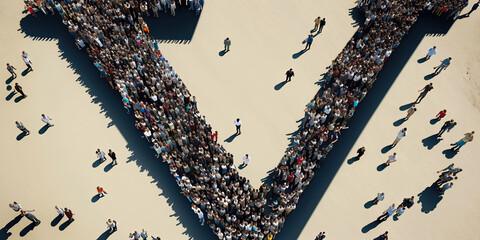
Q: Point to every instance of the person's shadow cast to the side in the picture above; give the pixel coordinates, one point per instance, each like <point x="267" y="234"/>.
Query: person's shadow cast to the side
<point x="20" y="137"/>
<point x="27" y="229"/>
<point x="298" y="54"/>
<point x="381" y="167"/>
<point x="56" y="220"/>
<point x="369" y="204"/>
<point x="386" y="148"/>
<point x="231" y="138"/>
<point x="65" y="225"/>
<point x="429" y="76"/>
<point x="279" y="85"/>
<point x="95" y="198"/>
<point x="97" y="163"/>
<point x="422" y="60"/>
<point x="10" y="96"/>
<point x="18" y="99"/>
<point x="104" y="235"/>
<point x="433" y="121"/>
<point x="406" y="106"/>
<point x="43" y="129"/>
<point x="222" y="53"/>
<point x="431" y="141"/>
<point x="108" y="167"/>
<point x="9" y="80"/>
<point x="352" y="160"/>
<point x="449" y="153"/>
<point x="4" y="233"/>
<point x="399" y="122"/>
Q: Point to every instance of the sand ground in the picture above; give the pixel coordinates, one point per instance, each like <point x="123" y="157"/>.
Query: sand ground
<point x="56" y="167"/>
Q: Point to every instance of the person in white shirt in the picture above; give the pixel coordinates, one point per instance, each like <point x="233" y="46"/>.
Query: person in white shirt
<point x="432" y="51"/>
<point x="387" y="213"/>
<point x="60" y="211"/>
<point x="101" y="155"/>
<point x="392" y="158"/>
<point x="15" y="206"/>
<point x="27" y="61"/>
<point x="112" y="225"/>
<point x="401" y="134"/>
<point x="246" y="159"/>
<point x="238" y="125"/>
<point x="46" y="119"/>
<point x="380" y="197"/>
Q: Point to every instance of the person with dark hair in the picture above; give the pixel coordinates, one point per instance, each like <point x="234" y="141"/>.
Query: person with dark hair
<point x="360" y="153"/>
<point x="29" y="215"/>
<point x="289" y="75"/>
<point x="424" y="92"/>
<point x="447" y="126"/>
<point x="238" y="125"/>
<point x="22" y="127"/>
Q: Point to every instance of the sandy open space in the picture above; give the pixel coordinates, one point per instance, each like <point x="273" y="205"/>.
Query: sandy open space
<point x="57" y="166"/>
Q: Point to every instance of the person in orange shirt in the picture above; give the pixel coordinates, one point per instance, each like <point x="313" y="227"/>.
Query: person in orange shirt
<point x="101" y="192"/>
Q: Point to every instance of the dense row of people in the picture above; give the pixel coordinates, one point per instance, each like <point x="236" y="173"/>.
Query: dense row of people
<point x="116" y="38"/>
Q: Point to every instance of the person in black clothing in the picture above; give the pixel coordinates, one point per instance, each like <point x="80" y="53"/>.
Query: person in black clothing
<point x="320" y="236"/>
<point x="383" y="236"/>
<point x="322" y="24"/>
<point x="424" y="92"/>
<point x="289" y="75"/>
<point x="113" y="156"/>
<point x="360" y="153"/>
<point x="447" y="126"/>
<point x="407" y="202"/>
<point x="19" y="89"/>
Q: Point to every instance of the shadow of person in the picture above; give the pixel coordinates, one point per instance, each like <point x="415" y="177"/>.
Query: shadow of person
<point x="352" y="160"/>
<point x="422" y="60"/>
<point x="369" y="204"/>
<point x="18" y="99"/>
<point x="433" y="121"/>
<point x="43" y="129"/>
<point x="9" y="87"/>
<point x="231" y="138"/>
<point x="386" y="148"/>
<point x="95" y="198"/>
<point x="242" y="166"/>
<point x="431" y="141"/>
<point x="462" y="16"/>
<point x="56" y="220"/>
<point x="279" y="85"/>
<point x="108" y="167"/>
<point x="449" y="153"/>
<point x="399" y="122"/>
<point x="429" y="76"/>
<point x="27" y="229"/>
<point x="381" y="167"/>
<point x="9" y="96"/>
<point x="221" y="53"/>
<point x="298" y="54"/>
<point x="406" y="106"/>
<point x="25" y="72"/>
<point x="370" y="226"/>
<point x="9" y="80"/>
<point x="4" y="234"/>
<point x="65" y="225"/>
<point x="97" y="163"/>
<point x="20" y="137"/>
<point x="395" y="217"/>
<point x="104" y="235"/>
<point x="429" y="198"/>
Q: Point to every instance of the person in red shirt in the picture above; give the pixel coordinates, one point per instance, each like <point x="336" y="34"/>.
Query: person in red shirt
<point x="69" y="214"/>
<point x="101" y="192"/>
<point x="214" y="136"/>
<point x="441" y="114"/>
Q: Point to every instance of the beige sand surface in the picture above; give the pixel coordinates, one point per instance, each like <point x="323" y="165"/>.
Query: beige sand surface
<point x="55" y="168"/>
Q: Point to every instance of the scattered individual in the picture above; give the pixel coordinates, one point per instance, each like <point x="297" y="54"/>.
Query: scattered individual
<point x="432" y="51"/>
<point x="27" y="61"/>
<point x="238" y="125"/>
<point x="424" y="92"/>
<point x="289" y="75"/>
<point x="379" y="197"/>
<point x="322" y="24"/>
<point x="19" y="89"/>
<point x="320" y="236"/>
<point x="22" y="127"/>
<point x="47" y="119"/>
<point x="400" y="135"/>
<point x="12" y="69"/>
<point x="101" y="155"/>
<point x="410" y="112"/>
<point x="113" y="156"/>
<point x="317" y="23"/>
<point x="246" y="159"/>
<point x="100" y="191"/>
<point x="111" y="225"/>
<point x="309" y="41"/>
<point x="360" y="153"/>
<point x="392" y="158"/>
<point x="443" y="65"/>
<point x="384" y="236"/>
<point x="227" y="42"/>
<point x="15" y="206"/>
<point x="441" y="115"/>
<point x="447" y="126"/>
<point x="29" y="215"/>
<point x="467" y="138"/>
<point x="474" y="7"/>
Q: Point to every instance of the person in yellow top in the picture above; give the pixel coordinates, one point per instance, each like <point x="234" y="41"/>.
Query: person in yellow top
<point x="317" y="23"/>
<point x="468" y="138"/>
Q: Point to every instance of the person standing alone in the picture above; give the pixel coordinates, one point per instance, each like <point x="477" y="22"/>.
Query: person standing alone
<point x="11" y="69"/>
<point x="19" y="89"/>
<point x="27" y="61"/>
<point x="309" y="42"/>
<point x="289" y="75"/>
<point x="238" y="125"/>
<point x="46" y="119"/>
<point x="401" y="134"/>
<point x="227" y="42"/>
<point x="424" y="92"/>
<point x="360" y="153"/>
<point x="432" y="51"/>
<point x="21" y="127"/>
<point x="113" y="156"/>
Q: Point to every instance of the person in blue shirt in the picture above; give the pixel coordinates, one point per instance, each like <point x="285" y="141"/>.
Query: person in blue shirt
<point x="309" y="42"/>
<point x="443" y="66"/>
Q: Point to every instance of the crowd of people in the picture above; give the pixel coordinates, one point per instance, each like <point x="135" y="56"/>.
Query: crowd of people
<point x="116" y="38"/>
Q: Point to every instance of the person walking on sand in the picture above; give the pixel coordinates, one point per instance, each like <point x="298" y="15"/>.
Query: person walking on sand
<point x="468" y="138"/>
<point x="360" y="153"/>
<point x="27" y="61"/>
<point x="290" y="73"/>
<point x="100" y="191"/>
<point x="392" y="158"/>
<point x="113" y="156"/>
<point x="379" y="197"/>
<point x="144" y="234"/>
<point x="15" y="206"/>
<point x="432" y="51"/>
<point x="238" y="125"/>
<point x="112" y="225"/>
<point x="22" y="128"/>
<point x="246" y="160"/>
<point x="29" y="215"/>
<point x="309" y="42"/>
<point x="400" y="135"/>
<point x="447" y="126"/>
<point x="317" y="23"/>
<point x="320" y="236"/>
<point x="46" y="119"/>
<point x="227" y="42"/>
<point x="19" y="89"/>
<point x="387" y="213"/>
<point x="474" y="7"/>
<point x="101" y="155"/>
<point x="441" y="115"/>
<point x="11" y="69"/>
<point x="424" y="92"/>
<point x="410" y="112"/>
<point x="69" y="214"/>
<point x="60" y="211"/>
<point x="322" y="24"/>
<point x="443" y="65"/>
